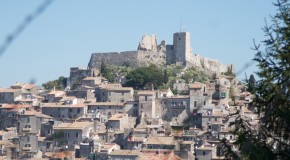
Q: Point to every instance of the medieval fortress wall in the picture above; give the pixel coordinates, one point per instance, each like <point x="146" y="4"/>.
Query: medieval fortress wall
<point x="149" y="52"/>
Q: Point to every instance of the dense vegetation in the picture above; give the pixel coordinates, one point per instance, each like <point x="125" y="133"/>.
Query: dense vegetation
<point x="270" y="139"/>
<point x="59" y="84"/>
<point x="146" y="77"/>
<point x="162" y="77"/>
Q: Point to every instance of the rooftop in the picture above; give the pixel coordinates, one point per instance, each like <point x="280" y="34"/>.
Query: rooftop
<point x="160" y="141"/>
<point x="73" y="126"/>
<point x="78" y="105"/>
<point x="117" y="117"/>
<point x="196" y="85"/>
<point x="106" y="104"/>
<point x="125" y="153"/>
<point x="146" y="92"/>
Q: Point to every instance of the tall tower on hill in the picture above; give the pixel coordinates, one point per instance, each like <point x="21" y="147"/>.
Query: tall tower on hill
<point x="180" y="51"/>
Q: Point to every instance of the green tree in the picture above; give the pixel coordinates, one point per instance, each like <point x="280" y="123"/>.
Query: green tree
<point x="251" y="84"/>
<point x="145" y="77"/>
<point x="59" y="84"/>
<point x="165" y="77"/>
<point x="270" y="138"/>
<point x="106" y="72"/>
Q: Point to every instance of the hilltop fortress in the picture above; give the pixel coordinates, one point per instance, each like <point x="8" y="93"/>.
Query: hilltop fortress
<point x="150" y="52"/>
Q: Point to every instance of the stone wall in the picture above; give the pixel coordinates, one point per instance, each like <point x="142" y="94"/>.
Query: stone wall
<point x="210" y="66"/>
<point x="131" y="58"/>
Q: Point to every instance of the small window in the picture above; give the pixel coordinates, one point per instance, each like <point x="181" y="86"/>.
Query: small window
<point x="79" y="110"/>
<point x="77" y="135"/>
<point x="215" y="119"/>
<point x="204" y="103"/>
<point x="203" y="153"/>
<point x="145" y="98"/>
<point x="122" y="93"/>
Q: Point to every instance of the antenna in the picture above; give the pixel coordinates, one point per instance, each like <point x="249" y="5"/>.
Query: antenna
<point x="180" y="26"/>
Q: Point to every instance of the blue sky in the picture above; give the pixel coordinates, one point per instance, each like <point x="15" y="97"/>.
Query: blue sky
<point x="68" y="32"/>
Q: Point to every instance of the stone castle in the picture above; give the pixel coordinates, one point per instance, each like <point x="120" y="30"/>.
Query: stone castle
<point x="150" y="52"/>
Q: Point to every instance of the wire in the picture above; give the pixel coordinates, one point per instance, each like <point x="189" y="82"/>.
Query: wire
<point x="22" y="26"/>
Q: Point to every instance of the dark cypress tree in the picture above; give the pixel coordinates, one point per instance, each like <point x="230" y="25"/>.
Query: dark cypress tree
<point x="251" y="84"/>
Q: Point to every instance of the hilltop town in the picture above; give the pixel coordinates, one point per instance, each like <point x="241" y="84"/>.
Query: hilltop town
<point x="94" y="118"/>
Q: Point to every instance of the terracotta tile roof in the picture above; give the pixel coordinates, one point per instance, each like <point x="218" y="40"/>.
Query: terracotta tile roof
<point x="121" y="89"/>
<point x="28" y="86"/>
<point x="9" y="90"/>
<point x="107" y="146"/>
<point x="196" y="85"/>
<point x="37" y="114"/>
<point x="146" y="92"/>
<point x="61" y="105"/>
<point x="63" y="154"/>
<point x="161" y="140"/>
<point x="125" y="153"/>
<point x="160" y="156"/>
<point x="116" y="117"/>
<point x="73" y="126"/>
<point x="106" y="104"/>
<point x="11" y="106"/>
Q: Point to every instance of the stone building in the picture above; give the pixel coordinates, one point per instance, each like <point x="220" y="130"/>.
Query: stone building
<point x="30" y="121"/>
<point x="147" y="108"/>
<point x="106" y="108"/>
<point x="114" y="93"/>
<point x="61" y="111"/>
<point x="8" y="95"/>
<point x="199" y="95"/>
<point x="72" y="133"/>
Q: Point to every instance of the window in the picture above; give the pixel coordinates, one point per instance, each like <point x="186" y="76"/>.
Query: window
<point x="145" y="98"/>
<point x="195" y="104"/>
<point x="109" y="107"/>
<point x="203" y="152"/>
<point x="203" y="89"/>
<point x="28" y="138"/>
<point x="223" y="94"/>
<point x="150" y="146"/>
<point x="27" y="126"/>
<point x="28" y="119"/>
<point x="27" y="145"/>
<point x="215" y="119"/>
<point x="70" y="110"/>
<point x="122" y="93"/>
<point x="77" y="135"/>
<point x="204" y="103"/>
<point x="79" y="110"/>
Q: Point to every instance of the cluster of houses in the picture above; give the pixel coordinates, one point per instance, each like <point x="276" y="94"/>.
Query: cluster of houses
<point x="101" y="120"/>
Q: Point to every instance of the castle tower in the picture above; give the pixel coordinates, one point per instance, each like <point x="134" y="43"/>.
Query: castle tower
<point x="180" y="51"/>
<point x="181" y="47"/>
